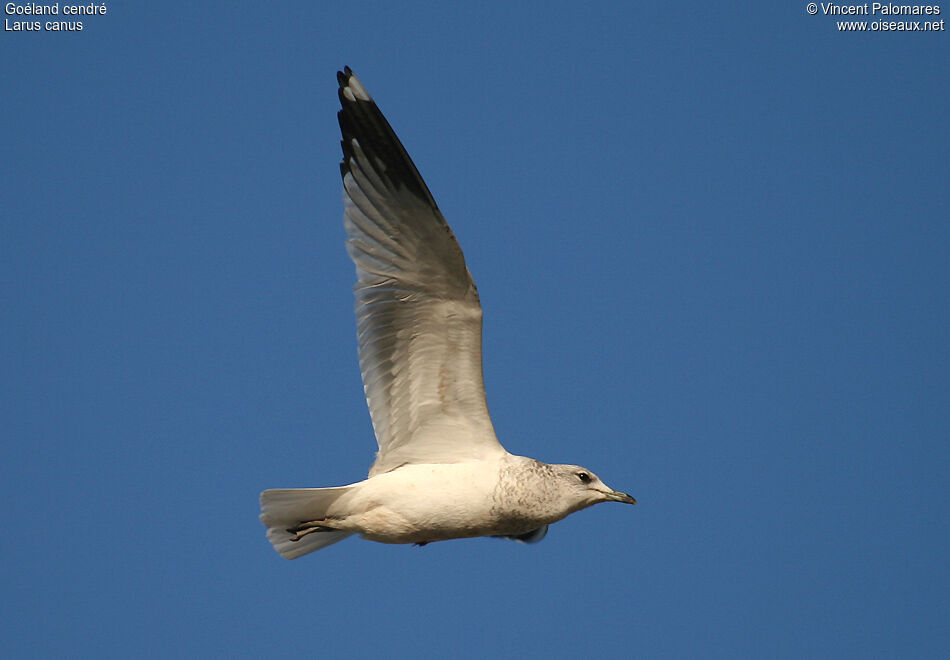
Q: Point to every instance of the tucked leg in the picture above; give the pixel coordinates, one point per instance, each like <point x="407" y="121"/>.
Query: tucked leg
<point x="304" y="528"/>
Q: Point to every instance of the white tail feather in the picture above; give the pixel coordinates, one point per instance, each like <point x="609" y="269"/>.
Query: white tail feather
<point x="284" y="508"/>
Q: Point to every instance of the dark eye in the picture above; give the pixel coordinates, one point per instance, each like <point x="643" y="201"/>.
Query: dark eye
<point x="584" y="477"/>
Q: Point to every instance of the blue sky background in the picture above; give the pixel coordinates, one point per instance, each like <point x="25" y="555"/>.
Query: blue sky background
<point x="711" y="243"/>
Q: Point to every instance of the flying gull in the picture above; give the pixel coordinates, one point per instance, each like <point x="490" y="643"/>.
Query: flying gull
<point x="440" y="472"/>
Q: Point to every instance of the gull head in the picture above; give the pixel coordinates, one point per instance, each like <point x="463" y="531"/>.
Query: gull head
<point x="585" y="488"/>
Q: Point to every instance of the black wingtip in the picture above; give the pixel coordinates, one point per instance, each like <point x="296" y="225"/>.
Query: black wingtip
<point x="361" y="121"/>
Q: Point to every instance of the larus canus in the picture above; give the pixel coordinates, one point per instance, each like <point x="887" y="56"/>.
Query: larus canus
<point x="440" y="472"/>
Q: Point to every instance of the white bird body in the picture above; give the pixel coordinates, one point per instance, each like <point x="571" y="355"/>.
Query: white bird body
<point x="427" y="502"/>
<point x="510" y="496"/>
<point x="440" y="472"/>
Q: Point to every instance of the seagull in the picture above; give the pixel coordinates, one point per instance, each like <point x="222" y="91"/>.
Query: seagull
<point x="440" y="472"/>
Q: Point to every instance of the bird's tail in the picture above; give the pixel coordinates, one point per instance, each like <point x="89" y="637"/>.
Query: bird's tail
<point x="285" y="508"/>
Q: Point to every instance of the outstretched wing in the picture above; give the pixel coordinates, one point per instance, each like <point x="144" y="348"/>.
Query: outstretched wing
<point x="419" y="322"/>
